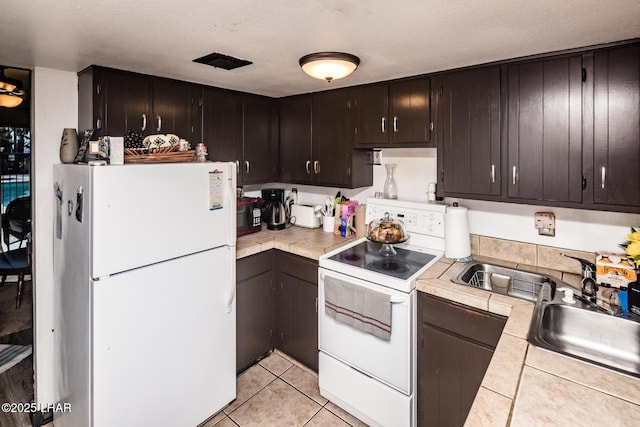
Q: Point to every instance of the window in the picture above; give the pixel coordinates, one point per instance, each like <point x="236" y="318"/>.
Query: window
<point x="15" y="163"/>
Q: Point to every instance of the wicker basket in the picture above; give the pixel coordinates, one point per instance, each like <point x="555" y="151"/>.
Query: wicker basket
<point x="162" y="155"/>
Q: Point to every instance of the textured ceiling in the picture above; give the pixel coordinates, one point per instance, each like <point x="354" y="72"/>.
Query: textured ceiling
<point x="393" y="38"/>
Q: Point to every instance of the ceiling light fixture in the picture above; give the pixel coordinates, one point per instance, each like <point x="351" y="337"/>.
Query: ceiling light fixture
<point x="329" y="65"/>
<point x="10" y="91"/>
<point x="9" y="101"/>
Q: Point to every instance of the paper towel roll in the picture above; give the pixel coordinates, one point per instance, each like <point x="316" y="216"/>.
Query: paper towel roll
<point x="457" y="244"/>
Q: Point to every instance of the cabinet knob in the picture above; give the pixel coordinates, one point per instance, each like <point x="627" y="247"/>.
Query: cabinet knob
<point x="246" y="166"/>
<point x="98" y="123"/>
<point x="316" y="167"/>
<point x="159" y="119"/>
<point x="307" y="166"/>
<point x="237" y="167"/>
<point x="143" y="127"/>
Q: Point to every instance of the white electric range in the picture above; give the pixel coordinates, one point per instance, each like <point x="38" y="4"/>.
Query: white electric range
<point x="370" y="377"/>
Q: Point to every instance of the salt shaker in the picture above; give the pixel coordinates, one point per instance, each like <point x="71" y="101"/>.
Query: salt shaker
<point x="201" y="152"/>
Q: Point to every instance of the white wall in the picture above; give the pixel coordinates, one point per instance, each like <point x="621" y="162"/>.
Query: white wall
<point x="55" y="107"/>
<point x="575" y="229"/>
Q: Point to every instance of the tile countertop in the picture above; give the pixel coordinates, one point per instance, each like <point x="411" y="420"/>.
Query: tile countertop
<point x="524" y="385"/>
<point x="306" y="242"/>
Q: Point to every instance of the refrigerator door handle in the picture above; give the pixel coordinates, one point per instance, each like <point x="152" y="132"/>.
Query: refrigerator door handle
<point x="230" y="296"/>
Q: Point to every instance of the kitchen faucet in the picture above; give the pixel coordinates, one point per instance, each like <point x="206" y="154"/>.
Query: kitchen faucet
<point x="588" y="284"/>
<point x="589" y="288"/>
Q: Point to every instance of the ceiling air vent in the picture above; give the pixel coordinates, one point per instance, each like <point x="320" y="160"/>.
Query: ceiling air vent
<point x="219" y="60"/>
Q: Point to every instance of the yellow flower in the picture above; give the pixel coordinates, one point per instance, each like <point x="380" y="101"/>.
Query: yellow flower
<point x="633" y="250"/>
<point x="634" y="237"/>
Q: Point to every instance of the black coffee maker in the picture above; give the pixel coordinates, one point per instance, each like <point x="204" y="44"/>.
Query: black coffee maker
<point x="274" y="211"/>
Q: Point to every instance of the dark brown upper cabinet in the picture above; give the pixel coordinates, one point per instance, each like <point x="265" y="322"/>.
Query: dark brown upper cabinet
<point x="296" y="158"/>
<point x="314" y="142"/>
<point x="332" y="154"/>
<point x="616" y="128"/>
<point x="409" y="111"/>
<point x="396" y="114"/>
<point x="260" y="136"/>
<point x="544" y="130"/>
<point x="368" y="114"/>
<point x="222" y="125"/>
<point x="113" y="102"/>
<point x="239" y="128"/>
<point x="469" y="132"/>
<point x="173" y="102"/>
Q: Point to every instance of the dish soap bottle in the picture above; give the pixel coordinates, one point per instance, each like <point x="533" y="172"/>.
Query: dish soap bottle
<point x="390" y="190"/>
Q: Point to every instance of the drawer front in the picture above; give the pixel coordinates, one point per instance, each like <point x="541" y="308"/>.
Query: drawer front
<point x="460" y="319"/>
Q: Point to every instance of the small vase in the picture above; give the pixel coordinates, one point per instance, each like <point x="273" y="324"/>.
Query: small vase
<point x="390" y="190"/>
<point x="68" y="145"/>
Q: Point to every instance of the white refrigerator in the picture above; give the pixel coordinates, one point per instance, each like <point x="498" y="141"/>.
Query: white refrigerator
<point x="144" y="263"/>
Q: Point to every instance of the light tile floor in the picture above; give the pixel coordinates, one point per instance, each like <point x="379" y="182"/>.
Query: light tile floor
<point x="278" y="391"/>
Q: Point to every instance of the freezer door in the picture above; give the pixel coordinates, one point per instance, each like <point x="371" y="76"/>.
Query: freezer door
<point x="149" y="213"/>
<point x="164" y="342"/>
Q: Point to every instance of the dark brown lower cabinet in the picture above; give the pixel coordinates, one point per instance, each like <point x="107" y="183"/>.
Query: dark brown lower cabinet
<point x="276" y="297"/>
<point x="455" y="346"/>
<point x="297" y="308"/>
<point x="255" y="308"/>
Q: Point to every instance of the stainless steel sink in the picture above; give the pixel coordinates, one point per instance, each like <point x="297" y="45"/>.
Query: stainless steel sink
<point x="504" y="280"/>
<point x="579" y="330"/>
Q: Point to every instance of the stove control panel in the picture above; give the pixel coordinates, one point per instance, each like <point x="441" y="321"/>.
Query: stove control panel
<point x="420" y="218"/>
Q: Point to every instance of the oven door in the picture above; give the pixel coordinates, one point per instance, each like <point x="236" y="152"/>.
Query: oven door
<point x="391" y="362"/>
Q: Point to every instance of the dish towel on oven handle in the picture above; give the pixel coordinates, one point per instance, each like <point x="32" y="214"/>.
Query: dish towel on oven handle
<point x="358" y="307"/>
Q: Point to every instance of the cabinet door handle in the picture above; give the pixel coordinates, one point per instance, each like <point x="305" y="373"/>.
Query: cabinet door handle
<point x="159" y="122"/>
<point x="395" y="123"/>
<point x="493" y="174"/>
<point x="603" y="177"/>
<point x="246" y="166"/>
<point x="237" y="167"/>
<point x="98" y="123"/>
<point x="144" y="122"/>
<point x="316" y="167"/>
<point x="383" y="124"/>
<point x="307" y="167"/>
<point x="514" y="173"/>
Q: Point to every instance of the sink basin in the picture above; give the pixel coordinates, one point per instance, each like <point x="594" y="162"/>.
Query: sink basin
<point x="504" y="280"/>
<point x="579" y="331"/>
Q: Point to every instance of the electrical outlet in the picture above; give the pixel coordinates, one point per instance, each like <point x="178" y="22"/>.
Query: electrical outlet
<point x="545" y="222"/>
<point x="377" y="157"/>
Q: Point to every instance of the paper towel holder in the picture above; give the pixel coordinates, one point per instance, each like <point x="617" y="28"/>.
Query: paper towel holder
<point x="458" y="244"/>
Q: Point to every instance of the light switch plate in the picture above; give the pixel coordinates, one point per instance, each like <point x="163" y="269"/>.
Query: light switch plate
<point x="545" y="222"/>
<point x="377" y="157"/>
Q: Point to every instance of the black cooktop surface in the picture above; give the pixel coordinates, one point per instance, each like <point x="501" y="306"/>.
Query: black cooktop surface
<point x="404" y="264"/>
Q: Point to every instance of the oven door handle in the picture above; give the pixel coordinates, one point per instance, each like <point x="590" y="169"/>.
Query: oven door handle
<point x="398" y="301"/>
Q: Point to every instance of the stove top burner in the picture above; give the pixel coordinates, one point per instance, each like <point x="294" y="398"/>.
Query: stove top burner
<point x="366" y="255"/>
<point x="389" y="266"/>
<point x="349" y="255"/>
